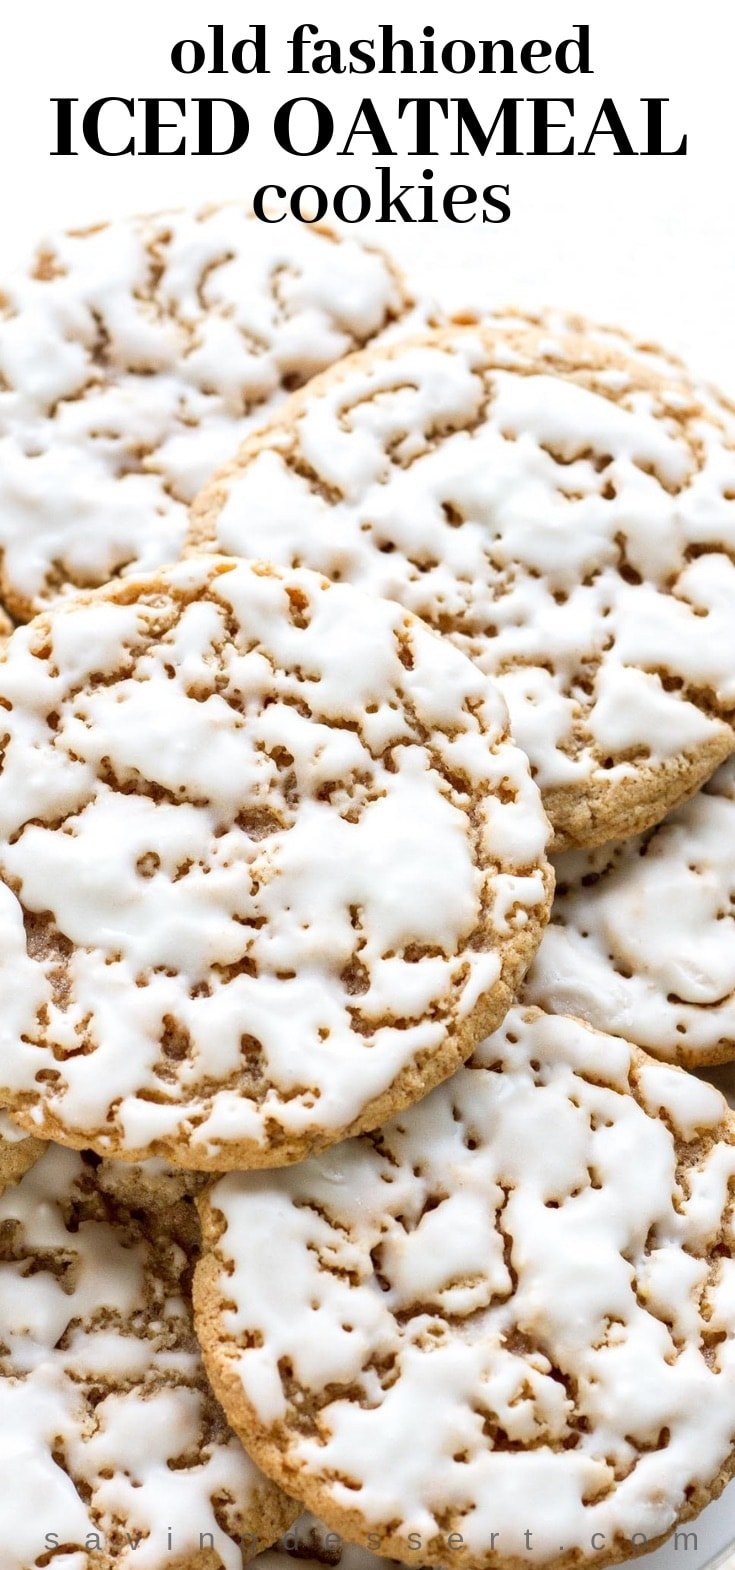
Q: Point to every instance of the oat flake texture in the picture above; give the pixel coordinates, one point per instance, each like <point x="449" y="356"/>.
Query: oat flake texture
<point x="270" y="865"/>
<point x="110" y="1432"/>
<point x="563" y="511"/>
<point x="133" y="359"/>
<point x="642" y="937"/>
<point x="18" y="1150"/>
<point x="510" y="1309"/>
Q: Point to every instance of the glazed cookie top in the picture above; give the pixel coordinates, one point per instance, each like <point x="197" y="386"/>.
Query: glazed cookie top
<point x="509" y="1310"/>
<point x="565" y="514"/>
<point x="642" y="936"/>
<point x="97" y="1350"/>
<point x="133" y="359"/>
<point x="269" y="864"/>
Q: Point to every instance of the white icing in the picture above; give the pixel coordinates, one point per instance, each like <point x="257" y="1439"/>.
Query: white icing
<point x="545" y="523"/>
<point x="106" y="1422"/>
<point x="393" y="828"/>
<point x="515" y="1284"/>
<point x="642" y="936"/>
<point x="135" y="363"/>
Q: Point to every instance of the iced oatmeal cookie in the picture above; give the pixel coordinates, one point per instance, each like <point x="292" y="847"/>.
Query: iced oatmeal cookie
<point x="270" y="865"/>
<point x="564" y="513"/>
<point x="116" y="1453"/>
<point x="498" y="1331"/>
<point x="133" y="359"/>
<point x="642" y="935"/>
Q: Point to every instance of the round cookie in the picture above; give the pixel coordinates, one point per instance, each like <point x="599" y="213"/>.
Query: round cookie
<point x="564" y="513"/>
<point x="18" y="1151"/>
<point x="270" y="865"/>
<point x="120" y="1456"/>
<point x="641" y="941"/>
<point x="509" y="1311"/>
<point x="133" y="359"/>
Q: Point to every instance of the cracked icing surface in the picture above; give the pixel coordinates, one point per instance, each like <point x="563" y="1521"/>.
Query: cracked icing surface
<point x="96" y="1349"/>
<point x="642" y="935"/>
<point x="564" y="513"/>
<point x="270" y="865"/>
<point x="133" y="359"/>
<point x="510" y="1308"/>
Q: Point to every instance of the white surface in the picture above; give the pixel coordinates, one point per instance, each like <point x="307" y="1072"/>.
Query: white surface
<point x="647" y="242"/>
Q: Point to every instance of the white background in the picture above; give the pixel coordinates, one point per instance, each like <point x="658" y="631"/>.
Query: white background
<point x="647" y="242"/>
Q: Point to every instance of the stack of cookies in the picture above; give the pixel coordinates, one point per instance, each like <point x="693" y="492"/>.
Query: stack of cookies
<point x="356" y="1198"/>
